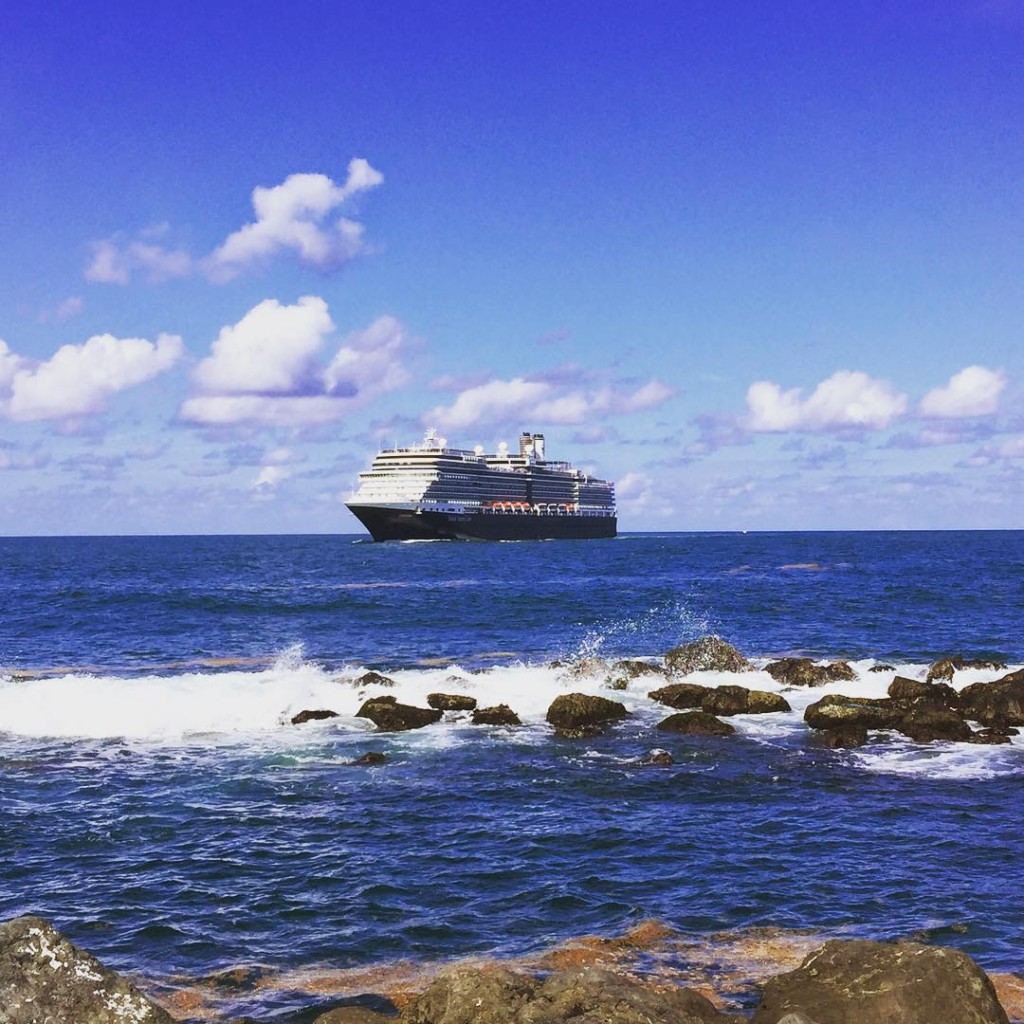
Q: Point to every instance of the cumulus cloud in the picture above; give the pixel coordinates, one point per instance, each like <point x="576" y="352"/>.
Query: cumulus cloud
<point x="974" y="391"/>
<point x="846" y="400"/>
<point x="268" y="369"/>
<point x="545" y="401"/>
<point x="78" y="380"/>
<point x="295" y="216"/>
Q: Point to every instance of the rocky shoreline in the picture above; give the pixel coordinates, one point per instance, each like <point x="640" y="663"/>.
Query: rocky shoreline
<point x="649" y="975"/>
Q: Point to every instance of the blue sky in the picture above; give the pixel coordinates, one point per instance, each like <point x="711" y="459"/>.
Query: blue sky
<point x="759" y="263"/>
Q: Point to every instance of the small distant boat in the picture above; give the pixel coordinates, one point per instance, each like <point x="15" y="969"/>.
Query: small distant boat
<point x="429" y="491"/>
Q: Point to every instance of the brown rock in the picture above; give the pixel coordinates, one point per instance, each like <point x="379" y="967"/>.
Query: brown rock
<point x="710" y="653"/>
<point x="313" y="716"/>
<point x="738" y="700"/>
<point x="696" y="723"/>
<point x="372" y="678"/>
<point x="997" y="703"/>
<point x="469" y="995"/>
<point x="913" y="690"/>
<point x="926" y="723"/>
<point x="851" y="735"/>
<point x="862" y="982"/>
<point x="834" y="710"/>
<point x="805" y="672"/>
<point x="680" y="695"/>
<point x="354" y="1015"/>
<point x="945" y="667"/>
<point x="500" y="714"/>
<point x="451" y="702"/>
<point x="575" y="715"/>
<point x="371" y="757"/>
<point x="390" y="716"/>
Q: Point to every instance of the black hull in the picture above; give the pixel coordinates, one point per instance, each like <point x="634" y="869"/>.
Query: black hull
<point x="403" y="524"/>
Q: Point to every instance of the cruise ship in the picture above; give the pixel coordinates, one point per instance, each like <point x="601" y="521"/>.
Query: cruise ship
<point x="429" y="491"/>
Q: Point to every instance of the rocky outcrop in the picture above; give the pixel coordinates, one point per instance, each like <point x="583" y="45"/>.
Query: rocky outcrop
<point x="696" y="723"/>
<point x="999" y="704"/>
<point x="945" y="667"/>
<point x="861" y="982"/>
<point x="926" y="723"/>
<point x="451" y="702"/>
<point x="499" y="714"/>
<point x="625" y="671"/>
<point x="738" y="700"/>
<point x="914" y="691"/>
<point x="372" y="678"/>
<point x="390" y="716"/>
<point x="709" y="654"/>
<point x="318" y="715"/>
<point x="44" y="977"/>
<point x="576" y="715"/>
<point x="680" y="695"/>
<point x="805" y="672"/>
<point x="585" y="995"/>
<point x="835" y="711"/>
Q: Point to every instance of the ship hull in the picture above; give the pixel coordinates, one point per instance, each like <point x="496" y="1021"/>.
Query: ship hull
<point x="409" y="524"/>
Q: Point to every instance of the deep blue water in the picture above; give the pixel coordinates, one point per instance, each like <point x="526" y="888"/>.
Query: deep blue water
<point x="170" y="848"/>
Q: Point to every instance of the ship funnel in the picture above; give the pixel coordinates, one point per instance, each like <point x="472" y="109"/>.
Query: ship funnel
<point x="525" y="443"/>
<point x="538" y="446"/>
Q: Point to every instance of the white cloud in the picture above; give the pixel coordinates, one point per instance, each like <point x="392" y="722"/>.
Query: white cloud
<point x="78" y="380"/>
<point x="294" y="216"/>
<point x="974" y="391"/>
<point x="847" y="399"/>
<point x="65" y="310"/>
<point x="115" y="260"/>
<point x="637" y="494"/>
<point x="267" y="368"/>
<point x="269" y="477"/>
<point x="542" y="401"/>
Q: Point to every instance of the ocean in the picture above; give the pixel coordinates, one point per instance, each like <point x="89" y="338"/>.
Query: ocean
<point x="159" y="807"/>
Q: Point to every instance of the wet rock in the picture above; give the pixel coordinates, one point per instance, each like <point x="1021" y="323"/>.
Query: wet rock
<point x="738" y="700"/>
<point x="371" y="757"/>
<point x="680" y="695"/>
<point x="861" y="982"/>
<point x="945" y="667"/>
<point x="805" y="672"/>
<point x="44" y="977"/>
<point x="997" y="703"/>
<point x="625" y="671"/>
<point x="576" y="715"/>
<point x="390" y="716"/>
<point x="469" y="995"/>
<point x="926" y="723"/>
<point x="372" y="678"/>
<point x="914" y="691"/>
<point x="696" y="723"/>
<point x="585" y="667"/>
<point x="844" y="736"/>
<point x="988" y="737"/>
<point x="354" y="1015"/>
<point x="834" y="711"/>
<point x="882" y="668"/>
<point x="710" y="653"/>
<point x="313" y="716"/>
<point x="499" y="714"/>
<point x="451" y="702"/>
<point x="658" y="759"/>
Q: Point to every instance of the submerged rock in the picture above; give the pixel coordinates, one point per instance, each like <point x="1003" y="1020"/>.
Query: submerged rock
<point x="499" y="714"/>
<point x="390" y="716"/>
<point x="696" y="723"/>
<point x="369" y="758"/>
<point x="313" y="716"/>
<point x="658" y="759"/>
<point x="576" y="715"/>
<point x="804" y="672"/>
<point x="708" y="654"/>
<point x="354" y="1015"/>
<point x="861" y="982"/>
<point x="680" y="695"/>
<point x="451" y="702"/>
<point x="44" y="977"/>
<point x="844" y="736"/>
<point x="738" y="700"/>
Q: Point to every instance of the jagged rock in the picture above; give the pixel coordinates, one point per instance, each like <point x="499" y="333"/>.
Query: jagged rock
<point x="834" y="711"/>
<point x="390" y="716"/>
<point x="843" y="736"/>
<point x="882" y="668"/>
<point x="913" y="690"/>
<point x="709" y="653"/>
<point x="499" y="714"/>
<point x="451" y="702"/>
<point x="861" y="982"/>
<point x="369" y="758"/>
<point x="696" y="723"/>
<point x="575" y="715"/>
<point x="44" y="977"/>
<point x="997" y="703"/>
<point x="804" y="672"/>
<point x="945" y="667"/>
<point x="313" y="716"/>
<point x="738" y="700"/>
<point x="658" y="759"/>
<point x="926" y="723"/>
<point x="372" y="678"/>
<point x="680" y="695"/>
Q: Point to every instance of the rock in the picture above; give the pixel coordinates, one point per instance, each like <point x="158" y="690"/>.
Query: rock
<point x="658" y="759"/>
<point x="804" y="672"/>
<point x="500" y="714"/>
<point x="369" y="758"/>
<point x="710" y="653"/>
<point x="843" y="736"/>
<point x="469" y="995"/>
<point x="945" y="667"/>
<point x="989" y="737"/>
<point x="585" y="667"/>
<point x="999" y="702"/>
<point x="913" y="690"/>
<point x="861" y="982"/>
<point x="882" y="668"/>
<point x="633" y="668"/>
<point x="313" y="716"/>
<point x="575" y="715"/>
<point x="834" y="711"/>
<point x="390" y="716"/>
<point x="44" y="977"/>
<point x="451" y="702"/>
<point x="696" y="723"/>
<point x="354" y="1015"/>
<point x="738" y="700"/>
<point x="680" y="695"/>
<point x="372" y="678"/>
<point x="926" y="723"/>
